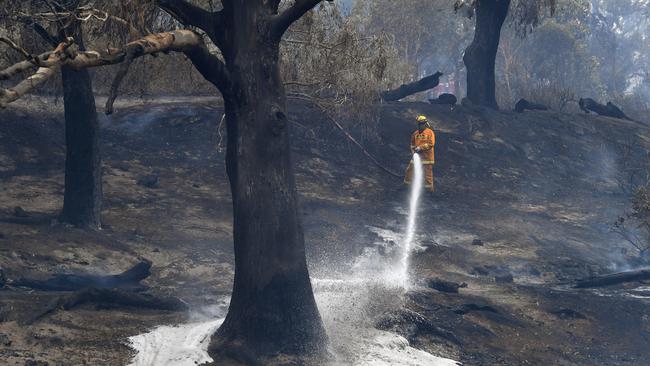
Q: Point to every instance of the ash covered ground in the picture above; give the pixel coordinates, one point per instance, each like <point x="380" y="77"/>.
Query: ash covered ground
<point x="538" y="191"/>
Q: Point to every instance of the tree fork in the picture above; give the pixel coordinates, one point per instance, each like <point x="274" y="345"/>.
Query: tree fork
<point x="272" y="308"/>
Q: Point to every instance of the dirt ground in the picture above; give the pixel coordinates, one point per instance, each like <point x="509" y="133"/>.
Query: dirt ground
<point x="539" y="190"/>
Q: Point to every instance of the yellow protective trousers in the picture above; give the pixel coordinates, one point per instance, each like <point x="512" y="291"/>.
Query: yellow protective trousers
<point x="428" y="175"/>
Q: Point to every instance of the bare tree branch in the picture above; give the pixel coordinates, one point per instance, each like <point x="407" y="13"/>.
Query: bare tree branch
<point x="16" y="69"/>
<point x="188" y="14"/>
<point x="83" y="14"/>
<point x="211" y="23"/>
<point x="131" y="54"/>
<point x="42" y="74"/>
<point x="210" y="67"/>
<point x="41" y="31"/>
<point x="10" y="95"/>
<point x="42" y="60"/>
<point x="280" y="23"/>
<point x="13" y="45"/>
<point x="186" y="41"/>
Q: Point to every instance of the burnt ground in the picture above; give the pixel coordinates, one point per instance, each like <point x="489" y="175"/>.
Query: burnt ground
<point x="539" y="190"/>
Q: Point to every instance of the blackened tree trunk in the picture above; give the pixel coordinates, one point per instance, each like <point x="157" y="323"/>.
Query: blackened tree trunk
<point x="83" y="178"/>
<point x="480" y="56"/>
<point x="272" y="308"/>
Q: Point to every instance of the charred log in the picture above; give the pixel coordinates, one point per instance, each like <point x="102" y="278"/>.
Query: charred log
<point x="110" y="298"/>
<point x="445" y="286"/>
<point x="445" y="98"/>
<point x="614" y="279"/>
<point x="616" y="112"/>
<point x="411" y="324"/>
<point x="70" y="282"/>
<point x="523" y="105"/>
<point x="610" y="110"/>
<point x="426" y="83"/>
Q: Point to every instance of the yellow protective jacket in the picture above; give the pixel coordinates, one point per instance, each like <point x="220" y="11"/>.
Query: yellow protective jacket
<point x="425" y="140"/>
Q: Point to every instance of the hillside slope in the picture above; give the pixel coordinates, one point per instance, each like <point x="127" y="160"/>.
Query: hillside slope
<point x="540" y="190"/>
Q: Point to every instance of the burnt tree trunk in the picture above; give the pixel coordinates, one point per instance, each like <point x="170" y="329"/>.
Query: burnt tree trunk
<point x="272" y="308"/>
<point x="480" y="56"/>
<point x="83" y="179"/>
<point x="613" y="279"/>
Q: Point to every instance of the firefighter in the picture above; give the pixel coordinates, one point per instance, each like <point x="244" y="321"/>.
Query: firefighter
<point x="422" y="142"/>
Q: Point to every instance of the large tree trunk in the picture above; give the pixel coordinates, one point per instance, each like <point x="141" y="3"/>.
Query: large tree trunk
<point x="272" y="308"/>
<point x="480" y="56"/>
<point x="83" y="179"/>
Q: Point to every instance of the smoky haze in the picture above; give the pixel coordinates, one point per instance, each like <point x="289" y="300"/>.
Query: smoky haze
<point x="582" y="49"/>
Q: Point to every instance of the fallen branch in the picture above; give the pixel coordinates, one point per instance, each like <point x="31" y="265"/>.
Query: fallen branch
<point x="69" y="282"/>
<point x="614" y="279"/>
<point x="110" y="298"/>
<point x="426" y="83"/>
<point x="609" y="110"/>
<point x="523" y="105"/>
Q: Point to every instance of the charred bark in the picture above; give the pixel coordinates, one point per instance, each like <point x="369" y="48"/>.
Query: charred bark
<point x="424" y="84"/>
<point x="445" y="98"/>
<point x="109" y="298"/>
<point x="480" y="56"/>
<point x="83" y="177"/>
<point x="523" y="105"/>
<point x="272" y="308"/>
<point x="613" y="279"/>
<point x="70" y="282"/>
<point x="610" y="110"/>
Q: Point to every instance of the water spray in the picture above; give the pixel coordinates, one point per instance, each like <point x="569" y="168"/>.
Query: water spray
<point x="416" y="190"/>
<point x="349" y="306"/>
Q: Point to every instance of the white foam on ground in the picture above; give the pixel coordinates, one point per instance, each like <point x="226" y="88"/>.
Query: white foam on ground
<point x="388" y="349"/>
<point x="180" y="345"/>
<point x="350" y="308"/>
<point x="349" y="304"/>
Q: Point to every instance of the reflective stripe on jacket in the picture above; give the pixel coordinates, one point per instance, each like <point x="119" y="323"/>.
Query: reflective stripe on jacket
<point x="425" y="140"/>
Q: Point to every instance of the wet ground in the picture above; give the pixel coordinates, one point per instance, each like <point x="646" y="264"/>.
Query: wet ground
<point x="539" y="192"/>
